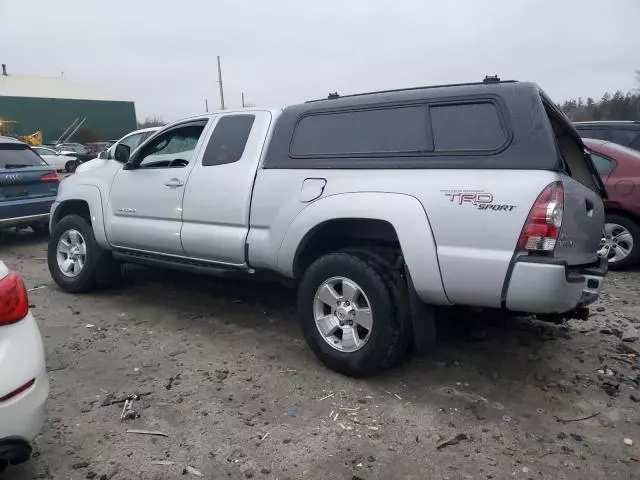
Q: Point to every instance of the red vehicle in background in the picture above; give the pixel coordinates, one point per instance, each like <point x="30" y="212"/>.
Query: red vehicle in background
<point x="619" y="168"/>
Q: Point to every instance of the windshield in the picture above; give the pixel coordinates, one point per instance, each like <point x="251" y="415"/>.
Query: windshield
<point x="19" y="157"/>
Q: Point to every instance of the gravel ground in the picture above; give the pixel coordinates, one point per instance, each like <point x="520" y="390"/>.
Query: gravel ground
<point x="224" y="372"/>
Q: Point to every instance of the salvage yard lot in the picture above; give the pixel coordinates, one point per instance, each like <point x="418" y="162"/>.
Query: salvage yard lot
<point x="226" y="375"/>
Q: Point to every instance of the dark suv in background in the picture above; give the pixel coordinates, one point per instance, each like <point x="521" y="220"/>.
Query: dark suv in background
<point x="28" y="187"/>
<point x="626" y="133"/>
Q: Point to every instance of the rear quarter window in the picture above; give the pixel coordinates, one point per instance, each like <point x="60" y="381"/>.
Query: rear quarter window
<point x="467" y="127"/>
<point x="12" y="157"/>
<point x="228" y="140"/>
<point x="362" y="132"/>
<point x="602" y="164"/>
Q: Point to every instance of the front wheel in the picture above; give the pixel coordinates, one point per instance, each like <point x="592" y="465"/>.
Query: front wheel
<point x="621" y="242"/>
<point x="350" y="315"/>
<point x="76" y="262"/>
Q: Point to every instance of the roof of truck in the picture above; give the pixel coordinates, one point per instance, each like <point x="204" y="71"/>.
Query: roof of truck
<point x="414" y="93"/>
<point x="335" y="96"/>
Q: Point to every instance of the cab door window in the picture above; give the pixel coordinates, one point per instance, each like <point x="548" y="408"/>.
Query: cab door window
<point x="173" y="149"/>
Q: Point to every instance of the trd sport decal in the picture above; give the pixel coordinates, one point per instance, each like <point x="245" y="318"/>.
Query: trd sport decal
<point x="479" y="198"/>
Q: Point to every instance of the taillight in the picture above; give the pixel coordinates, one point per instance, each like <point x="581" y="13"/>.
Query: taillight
<point x="542" y="228"/>
<point x="14" y="301"/>
<point x="50" y="177"/>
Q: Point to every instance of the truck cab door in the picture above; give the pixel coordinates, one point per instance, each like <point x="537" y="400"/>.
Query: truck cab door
<point x="144" y="211"/>
<point x="217" y="201"/>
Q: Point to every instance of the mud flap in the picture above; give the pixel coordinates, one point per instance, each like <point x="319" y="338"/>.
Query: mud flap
<point x="423" y="320"/>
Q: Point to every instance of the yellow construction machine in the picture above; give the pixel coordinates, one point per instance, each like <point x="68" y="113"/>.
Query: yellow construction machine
<point x="7" y="128"/>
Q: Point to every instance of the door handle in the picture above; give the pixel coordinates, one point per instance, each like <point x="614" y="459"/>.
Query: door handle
<point x="174" y="183"/>
<point x="589" y="206"/>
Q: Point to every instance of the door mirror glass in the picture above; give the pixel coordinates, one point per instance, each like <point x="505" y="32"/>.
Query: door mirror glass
<point x="103" y="155"/>
<point x="122" y="153"/>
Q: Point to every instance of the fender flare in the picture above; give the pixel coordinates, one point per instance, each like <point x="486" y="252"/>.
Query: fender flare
<point x="91" y="195"/>
<point x="404" y="212"/>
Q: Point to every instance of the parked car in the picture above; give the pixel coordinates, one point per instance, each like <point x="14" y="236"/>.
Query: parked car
<point x="380" y="206"/>
<point x="96" y="147"/>
<point x="58" y="161"/>
<point x="626" y="133"/>
<point x="77" y="150"/>
<point x="131" y="140"/>
<point x="28" y="187"/>
<point x="619" y="168"/>
<point x="24" y="387"/>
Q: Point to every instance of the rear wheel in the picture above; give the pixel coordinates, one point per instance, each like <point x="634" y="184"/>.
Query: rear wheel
<point x="350" y="314"/>
<point x="621" y="242"/>
<point x="76" y="262"/>
<point x="71" y="166"/>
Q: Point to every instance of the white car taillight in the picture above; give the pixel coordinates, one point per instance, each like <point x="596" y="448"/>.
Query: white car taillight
<point x="14" y="301"/>
<point x="542" y="227"/>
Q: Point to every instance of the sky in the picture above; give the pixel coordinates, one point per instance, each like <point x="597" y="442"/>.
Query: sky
<point x="162" y="54"/>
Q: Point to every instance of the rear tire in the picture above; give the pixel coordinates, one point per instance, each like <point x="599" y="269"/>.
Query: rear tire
<point x="71" y="166"/>
<point x="384" y="344"/>
<point x="98" y="266"/>
<point x="634" y="230"/>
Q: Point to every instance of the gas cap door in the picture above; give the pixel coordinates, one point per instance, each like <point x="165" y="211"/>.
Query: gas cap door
<point x="312" y="188"/>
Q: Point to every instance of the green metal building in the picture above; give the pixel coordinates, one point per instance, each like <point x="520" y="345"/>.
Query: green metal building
<point x="50" y="105"/>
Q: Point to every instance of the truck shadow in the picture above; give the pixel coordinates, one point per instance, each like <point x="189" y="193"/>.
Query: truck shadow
<point x="472" y="344"/>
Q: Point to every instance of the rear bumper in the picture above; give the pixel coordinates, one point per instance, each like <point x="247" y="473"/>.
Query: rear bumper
<point x="24" y="212"/>
<point x="539" y="285"/>
<point x="24" y="221"/>
<point x="22" y="360"/>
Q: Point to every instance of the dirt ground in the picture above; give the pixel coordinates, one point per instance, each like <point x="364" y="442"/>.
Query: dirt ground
<point x="225" y="374"/>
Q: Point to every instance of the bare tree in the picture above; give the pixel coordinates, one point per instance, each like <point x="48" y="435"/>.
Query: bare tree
<point x="154" y="121"/>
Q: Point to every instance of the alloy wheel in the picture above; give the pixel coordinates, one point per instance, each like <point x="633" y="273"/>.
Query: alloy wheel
<point x="71" y="253"/>
<point x="343" y="314"/>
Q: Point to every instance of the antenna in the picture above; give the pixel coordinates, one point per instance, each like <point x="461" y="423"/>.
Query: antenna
<point x="220" y="84"/>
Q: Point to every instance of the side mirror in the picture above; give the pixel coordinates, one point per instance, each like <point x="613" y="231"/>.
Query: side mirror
<point x="102" y="155"/>
<point x="122" y="153"/>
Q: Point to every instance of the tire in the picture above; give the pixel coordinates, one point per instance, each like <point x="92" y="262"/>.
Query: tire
<point x="385" y="343"/>
<point x="99" y="266"/>
<point x="71" y="166"/>
<point x="398" y="287"/>
<point x="40" y="229"/>
<point x="634" y="230"/>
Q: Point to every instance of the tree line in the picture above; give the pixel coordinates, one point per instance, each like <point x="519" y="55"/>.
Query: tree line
<point x="612" y="106"/>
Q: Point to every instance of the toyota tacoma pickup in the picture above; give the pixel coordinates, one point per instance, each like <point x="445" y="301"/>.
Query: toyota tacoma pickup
<point x="381" y="207"/>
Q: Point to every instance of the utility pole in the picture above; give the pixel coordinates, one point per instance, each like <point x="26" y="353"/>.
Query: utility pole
<point x="242" y="99"/>
<point x="220" y="84"/>
<point x="206" y="105"/>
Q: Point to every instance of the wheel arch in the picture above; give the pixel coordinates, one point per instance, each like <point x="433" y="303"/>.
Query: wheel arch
<point x="387" y="218"/>
<point x="86" y="202"/>
<point x="615" y="208"/>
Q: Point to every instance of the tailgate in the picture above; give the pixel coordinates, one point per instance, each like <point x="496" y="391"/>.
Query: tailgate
<point x="28" y="183"/>
<point x="582" y="224"/>
<point x="583" y="216"/>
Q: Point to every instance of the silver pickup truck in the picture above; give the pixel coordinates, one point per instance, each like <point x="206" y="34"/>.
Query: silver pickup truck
<point x="382" y="207"/>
